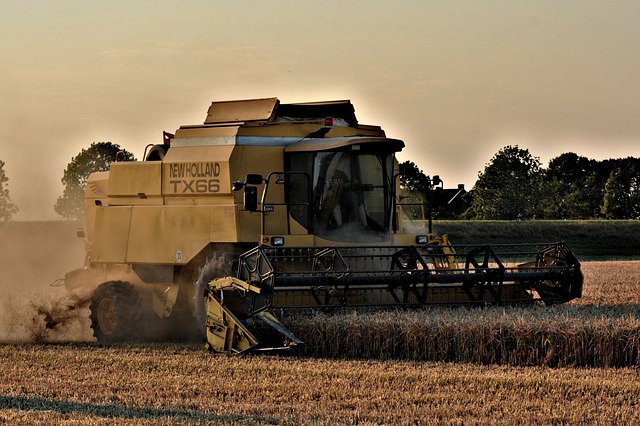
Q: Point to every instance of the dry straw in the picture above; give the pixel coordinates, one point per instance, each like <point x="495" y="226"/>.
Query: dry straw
<point x="523" y="336"/>
<point x="601" y="329"/>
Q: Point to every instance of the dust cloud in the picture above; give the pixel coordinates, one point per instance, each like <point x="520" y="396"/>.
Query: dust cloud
<point x="33" y="306"/>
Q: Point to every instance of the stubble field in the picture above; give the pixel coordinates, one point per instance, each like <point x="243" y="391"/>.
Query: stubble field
<point x="57" y="375"/>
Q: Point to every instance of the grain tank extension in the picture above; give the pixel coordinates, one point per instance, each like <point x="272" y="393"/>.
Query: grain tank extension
<point x="270" y="209"/>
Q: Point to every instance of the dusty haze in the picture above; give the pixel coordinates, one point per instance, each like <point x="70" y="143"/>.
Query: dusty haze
<point x="33" y="255"/>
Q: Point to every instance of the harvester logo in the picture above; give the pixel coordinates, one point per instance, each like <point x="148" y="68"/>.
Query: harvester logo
<point x="185" y="178"/>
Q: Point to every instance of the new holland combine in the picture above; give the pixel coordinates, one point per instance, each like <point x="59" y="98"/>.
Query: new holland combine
<point x="270" y="209"/>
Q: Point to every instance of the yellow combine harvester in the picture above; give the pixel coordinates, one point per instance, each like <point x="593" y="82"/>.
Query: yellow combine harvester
<point x="270" y="209"/>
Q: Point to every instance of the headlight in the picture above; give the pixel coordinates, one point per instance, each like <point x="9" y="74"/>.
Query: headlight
<point x="422" y="239"/>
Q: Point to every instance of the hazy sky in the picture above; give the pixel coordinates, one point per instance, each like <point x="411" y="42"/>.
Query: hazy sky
<point x="456" y="80"/>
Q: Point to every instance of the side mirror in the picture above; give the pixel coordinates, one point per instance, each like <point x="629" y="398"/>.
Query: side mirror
<point x="253" y="179"/>
<point x="251" y="198"/>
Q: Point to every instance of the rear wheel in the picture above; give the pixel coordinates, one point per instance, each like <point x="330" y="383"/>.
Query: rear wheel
<point x="114" y="312"/>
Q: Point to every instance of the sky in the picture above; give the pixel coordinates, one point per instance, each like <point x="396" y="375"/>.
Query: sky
<point x="456" y="80"/>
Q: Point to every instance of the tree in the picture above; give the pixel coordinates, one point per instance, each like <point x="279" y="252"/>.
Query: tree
<point x="96" y="158"/>
<point x="413" y="179"/>
<point x="622" y="191"/>
<point x="415" y="186"/>
<point x="508" y="188"/>
<point x="569" y="188"/>
<point x="7" y="207"/>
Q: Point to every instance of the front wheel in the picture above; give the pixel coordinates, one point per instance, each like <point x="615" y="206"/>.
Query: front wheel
<point x="115" y="309"/>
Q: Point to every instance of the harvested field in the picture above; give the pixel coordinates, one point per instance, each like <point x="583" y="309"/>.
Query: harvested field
<point x="389" y="368"/>
<point x="144" y="385"/>
<point x="610" y="283"/>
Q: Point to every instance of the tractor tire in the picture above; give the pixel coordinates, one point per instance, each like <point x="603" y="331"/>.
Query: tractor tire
<point x="217" y="266"/>
<point x="115" y="310"/>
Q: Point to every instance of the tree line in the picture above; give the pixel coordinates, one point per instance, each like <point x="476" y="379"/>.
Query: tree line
<point x="515" y="186"/>
<point x="512" y="186"/>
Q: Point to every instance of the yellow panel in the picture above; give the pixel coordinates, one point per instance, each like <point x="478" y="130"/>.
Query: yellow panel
<point x="200" y="201"/>
<point x="175" y="234"/>
<point x="248" y="225"/>
<point x="138" y="179"/>
<point x="111" y="234"/>
<point x="95" y="192"/>
<point x="243" y="110"/>
<point x="222" y="226"/>
<point x="167" y="234"/>
<point x="205" y="132"/>
<point x="261" y="160"/>
<point x="196" y="171"/>
<point x="134" y="201"/>
<point x="256" y="159"/>
<point x="200" y="153"/>
<point x="97" y="185"/>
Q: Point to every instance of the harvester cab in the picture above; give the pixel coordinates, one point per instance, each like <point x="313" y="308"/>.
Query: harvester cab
<point x="279" y="209"/>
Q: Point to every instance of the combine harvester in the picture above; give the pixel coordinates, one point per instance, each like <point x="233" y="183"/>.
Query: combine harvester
<point x="271" y="209"/>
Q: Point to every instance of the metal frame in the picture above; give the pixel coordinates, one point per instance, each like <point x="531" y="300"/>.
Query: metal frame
<point x="410" y="275"/>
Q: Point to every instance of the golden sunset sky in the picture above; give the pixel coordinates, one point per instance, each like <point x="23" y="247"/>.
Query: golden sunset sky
<point x="456" y="80"/>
